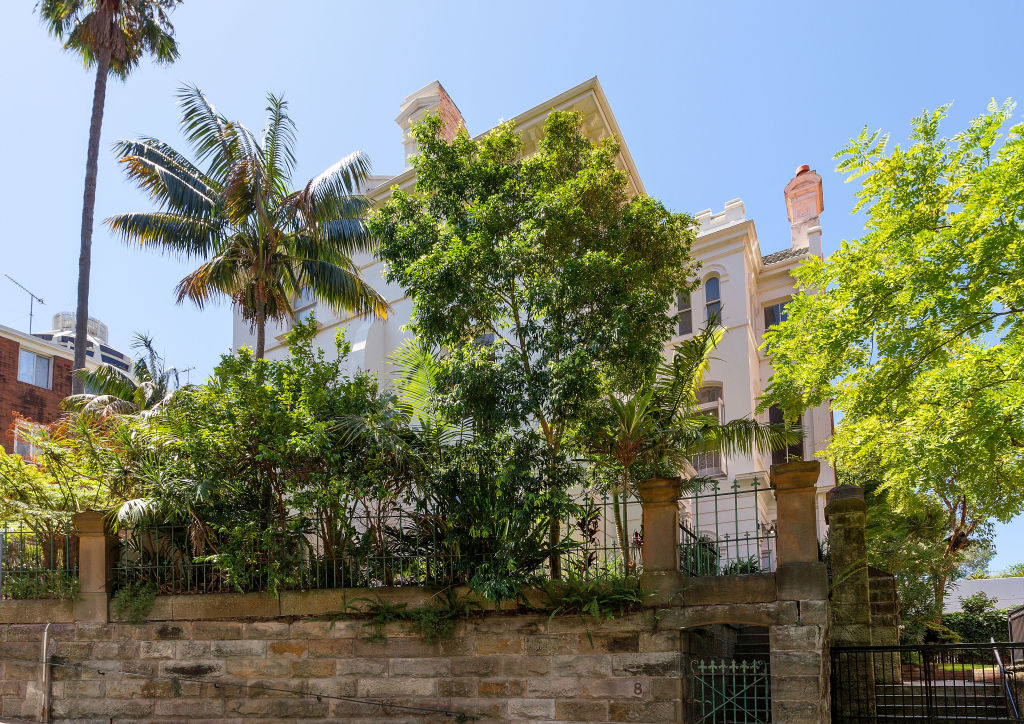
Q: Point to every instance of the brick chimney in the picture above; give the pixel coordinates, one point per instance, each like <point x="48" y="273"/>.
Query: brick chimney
<point x="804" y="205"/>
<point x="431" y="98"/>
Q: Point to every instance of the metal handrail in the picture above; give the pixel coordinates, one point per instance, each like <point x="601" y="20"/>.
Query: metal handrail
<point x="1006" y="684"/>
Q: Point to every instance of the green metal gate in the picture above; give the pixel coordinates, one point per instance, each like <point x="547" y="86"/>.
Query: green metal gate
<point x="726" y="691"/>
<point x="726" y="674"/>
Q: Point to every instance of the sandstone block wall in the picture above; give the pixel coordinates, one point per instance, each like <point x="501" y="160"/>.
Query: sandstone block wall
<point x="500" y="668"/>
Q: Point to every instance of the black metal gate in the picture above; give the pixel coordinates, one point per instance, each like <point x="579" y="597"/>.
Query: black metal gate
<point x="943" y="683"/>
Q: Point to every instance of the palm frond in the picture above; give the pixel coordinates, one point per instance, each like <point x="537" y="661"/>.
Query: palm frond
<point x="343" y="289"/>
<point x="206" y="129"/>
<point x="278" y="145"/>
<point x="178" y="235"/>
<point x="106" y="380"/>
<point x="160" y="170"/>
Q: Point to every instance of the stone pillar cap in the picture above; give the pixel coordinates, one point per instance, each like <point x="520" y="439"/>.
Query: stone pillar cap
<point x="844" y="498"/>
<point x="660" y="490"/>
<point x="790" y="476"/>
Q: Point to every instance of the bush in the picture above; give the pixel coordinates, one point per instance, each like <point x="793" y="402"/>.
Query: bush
<point x="44" y="584"/>
<point x="601" y="598"/>
<point x="980" y="621"/>
<point x="133" y="603"/>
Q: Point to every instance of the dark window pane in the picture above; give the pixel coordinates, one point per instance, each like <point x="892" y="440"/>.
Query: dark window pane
<point x="715" y="312"/>
<point x="706" y="395"/>
<point x="683" y="301"/>
<point x="712" y="290"/>
<point x="685" y="325"/>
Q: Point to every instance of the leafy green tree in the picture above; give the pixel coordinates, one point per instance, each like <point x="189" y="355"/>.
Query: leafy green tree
<point x="658" y="429"/>
<point x="261" y="243"/>
<point x="542" y="278"/>
<point x="1014" y="571"/>
<point x="921" y="547"/>
<point x="114" y="36"/>
<point x="112" y="392"/>
<point x="915" y="331"/>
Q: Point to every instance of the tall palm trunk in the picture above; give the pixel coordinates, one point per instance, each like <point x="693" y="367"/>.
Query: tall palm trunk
<point x="261" y="329"/>
<point x="99" y="97"/>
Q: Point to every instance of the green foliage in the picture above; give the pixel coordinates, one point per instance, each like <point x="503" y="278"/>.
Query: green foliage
<point x="978" y="602"/>
<point x="916" y="546"/>
<point x="742" y="567"/>
<point x="602" y="598"/>
<point x="915" y="331"/>
<point x="432" y="621"/>
<point x="933" y="632"/>
<point x="1014" y="571"/>
<point x="113" y="392"/>
<point x="127" y="31"/>
<point x="542" y="278"/>
<point x="134" y="602"/>
<point x="979" y="621"/>
<point x="572" y="276"/>
<point x="656" y="430"/>
<point x="261" y="243"/>
<point x="40" y="584"/>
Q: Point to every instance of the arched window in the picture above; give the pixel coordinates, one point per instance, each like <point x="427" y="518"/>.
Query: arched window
<point x="713" y="299"/>
<point x="684" y="314"/>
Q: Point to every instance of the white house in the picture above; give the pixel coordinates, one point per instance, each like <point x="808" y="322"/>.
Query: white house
<point x="747" y="288"/>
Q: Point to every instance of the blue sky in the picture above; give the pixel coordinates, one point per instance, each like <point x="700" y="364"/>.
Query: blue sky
<point x="715" y="100"/>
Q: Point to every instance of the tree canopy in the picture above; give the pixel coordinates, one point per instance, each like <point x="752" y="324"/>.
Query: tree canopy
<point x="915" y="331"/>
<point x="541" y="275"/>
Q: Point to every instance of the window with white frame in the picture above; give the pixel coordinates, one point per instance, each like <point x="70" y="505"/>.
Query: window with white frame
<point x="24" y="439"/>
<point x="775" y="314"/>
<point x="34" y="369"/>
<point x="710" y="403"/>
<point x="713" y="299"/>
<point x="684" y="314"/>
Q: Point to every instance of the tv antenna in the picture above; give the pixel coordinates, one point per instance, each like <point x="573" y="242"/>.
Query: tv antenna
<point x="32" y="299"/>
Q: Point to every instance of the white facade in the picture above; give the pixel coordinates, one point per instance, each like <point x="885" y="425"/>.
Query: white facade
<point x="728" y="247"/>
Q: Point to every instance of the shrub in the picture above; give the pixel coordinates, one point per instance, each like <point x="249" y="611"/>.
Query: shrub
<point x="979" y="621"/>
<point x="44" y="584"/>
<point x="134" y="602"/>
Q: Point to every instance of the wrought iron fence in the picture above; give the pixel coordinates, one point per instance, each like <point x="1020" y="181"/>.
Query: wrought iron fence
<point x="369" y="548"/>
<point x="724" y="531"/>
<point x="728" y="529"/>
<point x="365" y="549"/>
<point x="604" y="535"/>
<point x="942" y="682"/>
<point x="39" y="562"/>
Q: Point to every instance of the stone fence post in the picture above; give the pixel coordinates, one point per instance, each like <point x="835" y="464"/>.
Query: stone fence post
<point x="846" y="514"/>
<point x="95" y="567"/>
<point x="661" y="576"/>
<point x="799" y="648"/>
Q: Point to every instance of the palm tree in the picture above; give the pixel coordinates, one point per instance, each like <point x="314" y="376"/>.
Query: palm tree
<point x="115" y="393"/>
<point x="261" y="243"/>
<point x="659" y="429"/>
<point x="113" y="35"/>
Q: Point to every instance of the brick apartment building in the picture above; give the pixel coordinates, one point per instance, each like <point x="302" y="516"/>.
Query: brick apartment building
<point x="35" y="375"/>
